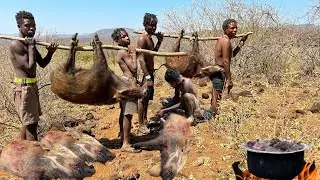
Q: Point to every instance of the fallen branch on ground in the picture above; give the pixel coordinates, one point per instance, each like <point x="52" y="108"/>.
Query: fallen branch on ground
<point x="90" y="48"/>
<point x="191" y="37"/>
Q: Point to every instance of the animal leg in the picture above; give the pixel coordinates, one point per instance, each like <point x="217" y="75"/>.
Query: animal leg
<point x="70" y="64"/>
<point x="100" y="58"/>
<point x="195" y="45"/>
<point x="154" y="144"/>
<point x="177" y="45"/>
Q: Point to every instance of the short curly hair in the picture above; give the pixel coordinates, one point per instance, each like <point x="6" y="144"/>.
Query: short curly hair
<point x="172" y="75"/>
<point x="226" y="23"/>
<point x="23" y="15"/>
<point x="147" y="18"/>
<point x="116" y="34"/>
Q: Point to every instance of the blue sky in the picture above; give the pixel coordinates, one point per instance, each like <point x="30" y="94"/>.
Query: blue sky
<point x="69" y="16"/>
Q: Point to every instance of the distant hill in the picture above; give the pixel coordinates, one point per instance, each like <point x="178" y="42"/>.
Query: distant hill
<point x="107" y="32"/>
<point x="104" y="34"/>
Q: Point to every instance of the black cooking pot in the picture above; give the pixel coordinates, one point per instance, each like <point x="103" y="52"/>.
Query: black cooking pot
<point x="275" y="165"/>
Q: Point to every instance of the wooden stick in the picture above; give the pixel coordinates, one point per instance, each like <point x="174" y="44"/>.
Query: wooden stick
<point x="90" y="48"/>
<point x="191" y="37"/>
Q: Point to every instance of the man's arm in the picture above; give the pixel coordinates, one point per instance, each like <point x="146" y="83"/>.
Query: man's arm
<point x="226" y="56"/>
<point x="25" y="60"/>
<point x="176" y="97"/>
<point x="160" y="38"/>
<point x="239" y="46"/>
<point x="143" y="64"/>
<point x="174" y="107"/>
<point x="45" y="61"/>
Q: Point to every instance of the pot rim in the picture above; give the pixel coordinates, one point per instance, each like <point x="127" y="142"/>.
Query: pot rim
<point x="305" y="147"/>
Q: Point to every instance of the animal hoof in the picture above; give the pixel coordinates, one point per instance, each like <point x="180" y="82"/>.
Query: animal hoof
<point x="96" y="39"/>
<point x="74" y="40"/>
<point x="74" y="36"/>
<point x="181" y="32"/>
<point x="195" y="34"/>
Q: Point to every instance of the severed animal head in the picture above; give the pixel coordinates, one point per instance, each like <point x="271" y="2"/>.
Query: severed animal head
<point x="173" y="143"/>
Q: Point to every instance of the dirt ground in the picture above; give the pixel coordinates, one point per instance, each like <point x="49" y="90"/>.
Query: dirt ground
<point x="254" y="110"/>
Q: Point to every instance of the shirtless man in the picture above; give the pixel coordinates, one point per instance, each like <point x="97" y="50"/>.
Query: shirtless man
<point x="127" y="61"/>
<point x="24" y="57"/>
<point x="223" y="54"/>
<point x="147" y="65"/>
<point x="184" y="95"/>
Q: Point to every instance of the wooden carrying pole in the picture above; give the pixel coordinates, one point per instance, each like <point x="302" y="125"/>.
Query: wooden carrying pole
<point x="90" y="48"/>
<point x="191" y="37"/>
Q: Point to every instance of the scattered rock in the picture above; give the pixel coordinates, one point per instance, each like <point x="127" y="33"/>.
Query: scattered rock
<point x="133" y="176"/>
<point x="87" y="127"/>
<point x="70" y="122"/>
<point x="233" y="96"/>
<point x="202" y="161"/>
<point x="155" y="170"/>
<point x="300" y="111"/>
<point x="246" y="82"/>
<point x="295" y="84"/>
<point x="205" y="95"/>
<point x="89" y="116"/>
<point x="272" y="115"/>
<point x="315" y="108"/>
<point x="259" y="85"/>
<point x="202" y="84"/>
<point x="306" y="91"/>
<point x="260" y="90"/>
<point x="245" y="93"/>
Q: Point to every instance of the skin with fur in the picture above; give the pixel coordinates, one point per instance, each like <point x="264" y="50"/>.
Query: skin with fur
<point x="173" y="143"/>
<point x="96" y="85"/>
<point x="190" y="65"/>
<point x="29" y="160"/>
<point x="83" y="145"/>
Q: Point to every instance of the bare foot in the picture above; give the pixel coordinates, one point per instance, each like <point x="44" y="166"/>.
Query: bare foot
<point x="143" y="130"/>
<point x="128" y="148"/>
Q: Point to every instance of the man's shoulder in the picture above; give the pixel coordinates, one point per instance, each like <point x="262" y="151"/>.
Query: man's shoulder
<point x="143" y="37"/>
<point x="16" y="46"/>
<point x="187" y="82"/>
<point x="122" y="52"/>
<point x="16" y="43"/>
<point x="223" y="40"/>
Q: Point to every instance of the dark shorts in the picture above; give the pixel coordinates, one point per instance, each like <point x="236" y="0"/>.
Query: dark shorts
<point x="218" y="80"/>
